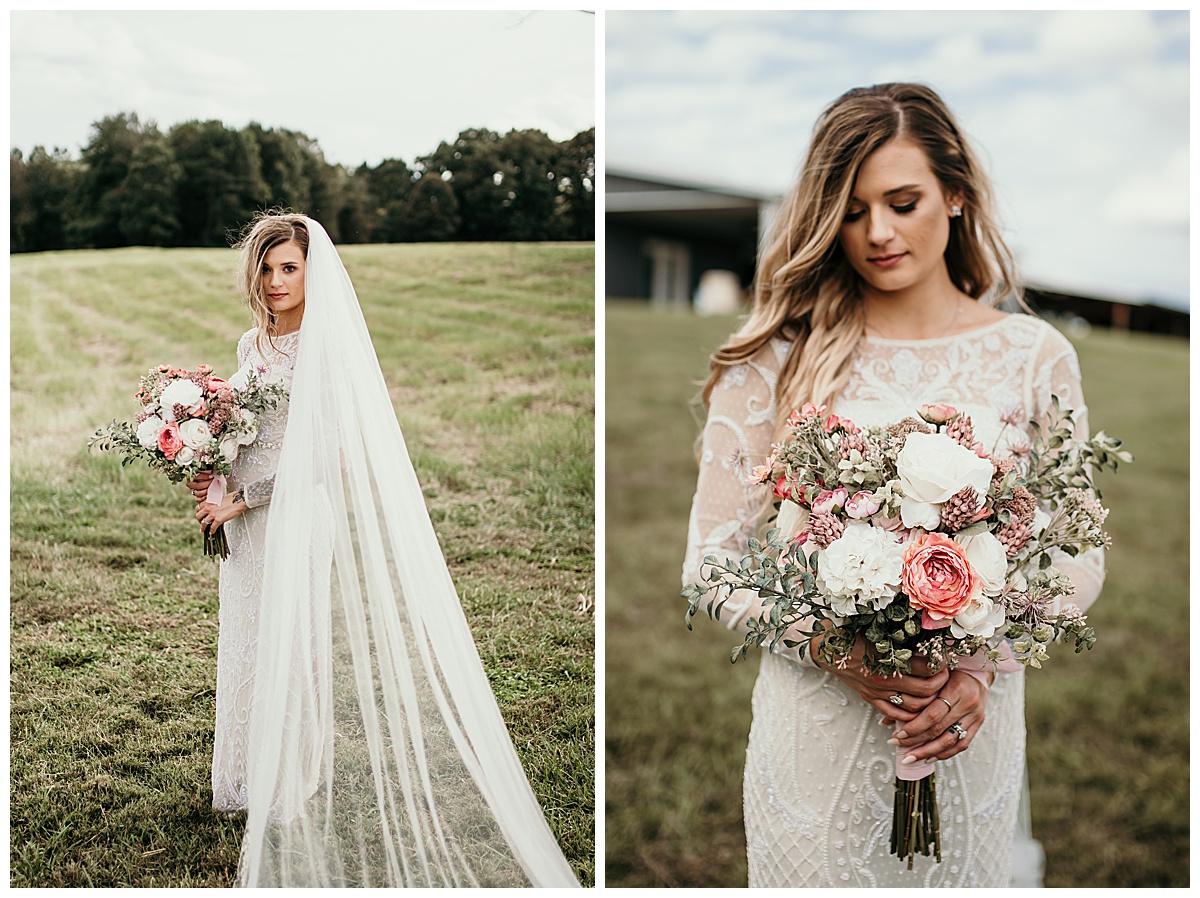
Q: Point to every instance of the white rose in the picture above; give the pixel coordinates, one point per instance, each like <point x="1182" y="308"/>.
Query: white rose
<point x="860" y="570"/>
<point x="194" y="433"/>
<point x="987" y="557"/>
<point x="229" y="449"/>
<point x="251" y="432"/>
<point x="181" y="392"/>
<point x="241" y="379"/>
<point x="792" y="519"/>
<point x="1040" y="520"/>
<point x="932" y="468"/>
<point x="982" y="617"/>
<point x="185" y="457"/>
<point x="148" y="431"/>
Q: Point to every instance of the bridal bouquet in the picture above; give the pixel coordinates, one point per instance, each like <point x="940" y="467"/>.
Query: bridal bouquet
<point x="192" y="422"/>
<point x="917" y="539"/>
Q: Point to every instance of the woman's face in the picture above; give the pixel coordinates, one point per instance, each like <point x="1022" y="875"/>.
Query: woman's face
<point x="283" y="284"/>
<point x="897" y="225"/>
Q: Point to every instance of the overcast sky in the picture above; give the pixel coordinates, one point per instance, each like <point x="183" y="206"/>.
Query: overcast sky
<point x="365" y="85"/>
<point x="1081" y="117"/>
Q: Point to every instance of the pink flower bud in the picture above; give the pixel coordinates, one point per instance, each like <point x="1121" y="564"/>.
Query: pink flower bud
<point x="861" y="505"/>
<point x="782" y="489"/>
<point x="794" y="419"/>
<point x="829" y="501"/>
<point x="810" y="410"/>
<point x="939" y="414"/>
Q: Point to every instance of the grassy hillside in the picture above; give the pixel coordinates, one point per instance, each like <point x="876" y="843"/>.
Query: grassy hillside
<point x="1108" y="743"/>
<point x="488" y="351"/>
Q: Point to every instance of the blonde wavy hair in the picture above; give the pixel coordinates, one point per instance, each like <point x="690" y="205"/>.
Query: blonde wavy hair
<point x="805" y="290"/>
<point x="265" y="231"/>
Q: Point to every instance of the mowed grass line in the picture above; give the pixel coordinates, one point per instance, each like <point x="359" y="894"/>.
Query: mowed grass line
<point x="488" y="351"/>
<point x="1108" y="743"/>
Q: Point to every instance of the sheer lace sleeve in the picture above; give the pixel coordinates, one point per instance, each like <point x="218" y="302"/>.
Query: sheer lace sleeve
<point x="1056" y="372"/>
<point x="258" y="492"/>
<point x="725" y="511"/>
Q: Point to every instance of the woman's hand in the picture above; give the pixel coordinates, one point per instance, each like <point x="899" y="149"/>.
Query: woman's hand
<point x="200" y="483"/>
<point x="916" y="690"/>
<point x="213" y="516"/>
<point x="961" y="701"/>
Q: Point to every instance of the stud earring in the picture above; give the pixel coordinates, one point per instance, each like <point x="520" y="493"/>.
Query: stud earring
<point x="955" y="211"/>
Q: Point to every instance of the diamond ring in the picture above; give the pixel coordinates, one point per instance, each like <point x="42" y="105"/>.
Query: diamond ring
<point x="897" y="699"/>
<point x="957" y="730"/>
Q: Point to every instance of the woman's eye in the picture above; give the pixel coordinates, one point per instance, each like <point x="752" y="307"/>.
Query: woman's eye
<point x="904" y="210"/>
<point x="852" y="217"/>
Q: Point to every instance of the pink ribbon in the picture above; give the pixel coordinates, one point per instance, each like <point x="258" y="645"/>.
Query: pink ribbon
<point x="976" y="666"/>
<point x="216" y="490"/>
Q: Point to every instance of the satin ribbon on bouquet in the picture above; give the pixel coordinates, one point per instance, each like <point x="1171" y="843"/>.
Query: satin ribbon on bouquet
<point x="215" y="542"/>
<point x="915" y="823"/>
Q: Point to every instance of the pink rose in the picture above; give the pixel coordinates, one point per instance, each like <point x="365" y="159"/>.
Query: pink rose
<point x="938" y="414"/>
<point x="829" y="501"/>
<point x="834" y="423"/>
<point x="169" y="441"/>
<point x="861" y="505"/>
<point x="938" y="578"/>
<point x="782" y="490"/>
<point x="213" y="384"/>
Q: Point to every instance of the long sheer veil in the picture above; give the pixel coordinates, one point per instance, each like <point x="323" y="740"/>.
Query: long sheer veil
<point x="377" y="754"/>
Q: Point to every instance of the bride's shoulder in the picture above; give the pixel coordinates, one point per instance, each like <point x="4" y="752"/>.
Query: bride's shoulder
<point x="245" y="342"/>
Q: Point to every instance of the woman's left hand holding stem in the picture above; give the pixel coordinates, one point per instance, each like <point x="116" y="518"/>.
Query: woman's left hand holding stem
<point x="961" y="701"/>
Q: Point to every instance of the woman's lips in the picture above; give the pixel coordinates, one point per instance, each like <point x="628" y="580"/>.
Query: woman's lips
<point x="277" y="295"/>
<point x="887" y="261"/>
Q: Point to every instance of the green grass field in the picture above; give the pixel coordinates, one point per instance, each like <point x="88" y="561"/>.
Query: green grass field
<point x="1108" y="743"/>
<point x="489" y="354"/>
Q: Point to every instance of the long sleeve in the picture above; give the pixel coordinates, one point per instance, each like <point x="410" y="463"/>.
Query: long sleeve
<point x="257" y="492"/>
<point x="1056" y="373"/>
<point x="725" y="511"/>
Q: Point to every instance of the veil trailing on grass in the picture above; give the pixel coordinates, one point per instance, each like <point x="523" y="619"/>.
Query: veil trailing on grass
<point x="377" y="754"/>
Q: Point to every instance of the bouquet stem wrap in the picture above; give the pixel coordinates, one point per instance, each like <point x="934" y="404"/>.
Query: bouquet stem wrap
<point x="215" y="542"/>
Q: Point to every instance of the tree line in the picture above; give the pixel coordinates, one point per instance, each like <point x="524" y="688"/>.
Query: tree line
<point x="136" y="186"/>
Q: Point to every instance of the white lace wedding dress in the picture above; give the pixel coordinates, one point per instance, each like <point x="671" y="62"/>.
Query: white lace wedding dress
<point x="242" y="573"/>
<point x="819" y="773"/>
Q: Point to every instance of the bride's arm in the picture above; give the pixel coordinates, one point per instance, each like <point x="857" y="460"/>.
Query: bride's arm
<point x="725" y="510"/>
<point x="1057" y="373"/>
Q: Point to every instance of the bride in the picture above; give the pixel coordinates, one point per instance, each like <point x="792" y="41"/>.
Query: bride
<point x="875" y="295"/>
<point x="355" y="723"/>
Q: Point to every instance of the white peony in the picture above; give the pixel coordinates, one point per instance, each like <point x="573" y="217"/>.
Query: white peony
<point x="987" y="557"/>
<point x="860" y="570"/>
<point x="932" y="468"/>
<point x="181" y="392"/>
<point x="229" y="449"/>
<point x="194" y="433"/>
<point x="185" y="456"/>
<point x="251" y="424"/>
<point x="148" y="431"/>
<point x="982" y="617"/>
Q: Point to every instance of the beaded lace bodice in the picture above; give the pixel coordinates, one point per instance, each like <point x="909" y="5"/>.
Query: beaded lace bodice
<point x="819" y="772"/>
<point x="242" y="572"/>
